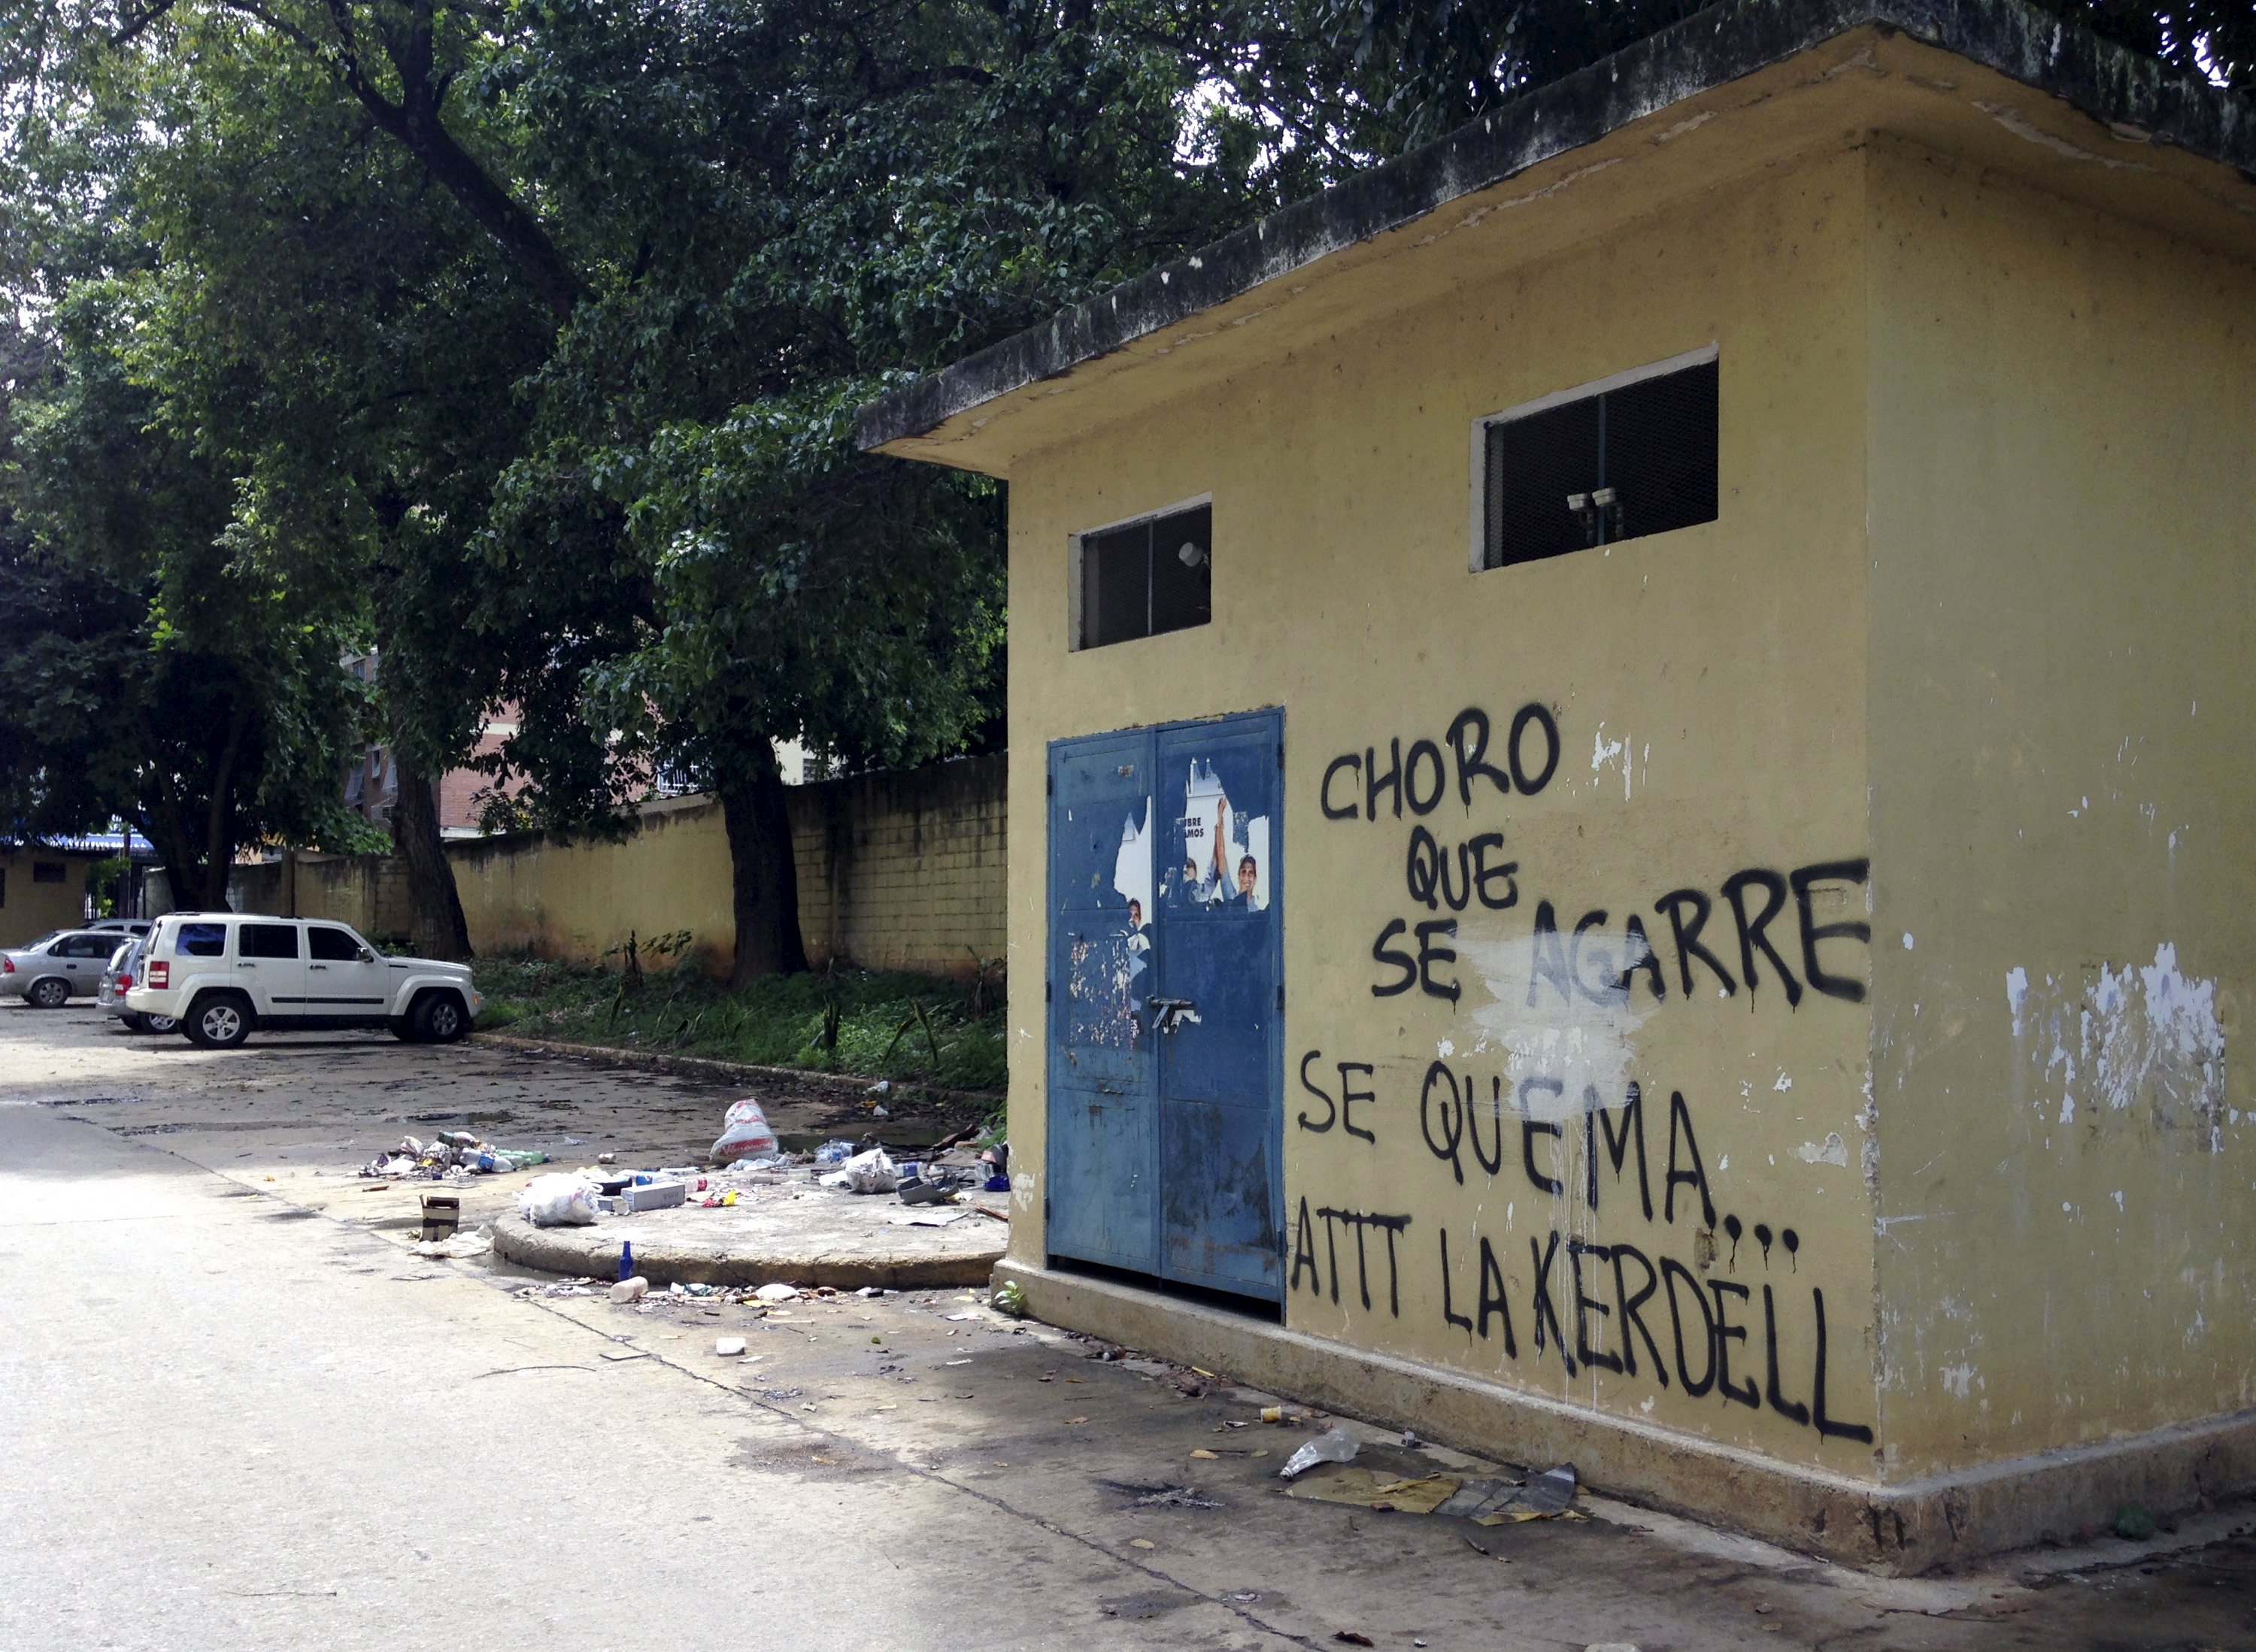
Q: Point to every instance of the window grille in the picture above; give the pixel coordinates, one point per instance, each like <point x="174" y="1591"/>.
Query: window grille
<point x="1633" y="456"/>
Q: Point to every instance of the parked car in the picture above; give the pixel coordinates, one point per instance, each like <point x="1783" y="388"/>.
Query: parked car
<point x="221" y="975"/>
<point x="56" y="968"/>
<point x="136" y="927"/>
<point x="118" y="980"/>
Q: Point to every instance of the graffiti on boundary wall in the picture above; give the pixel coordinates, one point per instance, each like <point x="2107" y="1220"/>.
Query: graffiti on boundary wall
<point x="1553" y="1102"/>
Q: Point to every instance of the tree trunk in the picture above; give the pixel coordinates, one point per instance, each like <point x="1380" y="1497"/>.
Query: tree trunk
<point x="441" y="931"/>
<point x="766" y="875"/>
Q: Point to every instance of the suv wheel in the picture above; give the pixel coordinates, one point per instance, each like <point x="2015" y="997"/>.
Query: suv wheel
<point x="219" y="1022"/>
<point x="437" y="1017"/>
<point x="50" y="994"/>
<point x="160" y="1024"/>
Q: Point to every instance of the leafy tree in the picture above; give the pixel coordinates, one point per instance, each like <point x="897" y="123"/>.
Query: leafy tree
<point x="158" y="678"/>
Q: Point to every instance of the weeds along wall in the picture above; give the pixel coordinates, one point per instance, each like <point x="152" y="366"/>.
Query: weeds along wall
<point x="896" y="871"/>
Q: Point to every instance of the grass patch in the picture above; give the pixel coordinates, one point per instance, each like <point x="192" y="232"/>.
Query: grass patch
<point x="876" y="1025"/>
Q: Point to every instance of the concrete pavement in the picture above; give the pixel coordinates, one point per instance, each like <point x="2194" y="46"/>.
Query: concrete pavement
<point x="241" y="1414"/>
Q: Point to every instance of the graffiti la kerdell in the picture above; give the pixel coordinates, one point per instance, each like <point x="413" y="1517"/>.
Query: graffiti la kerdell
<point x="1623" y="1247"/>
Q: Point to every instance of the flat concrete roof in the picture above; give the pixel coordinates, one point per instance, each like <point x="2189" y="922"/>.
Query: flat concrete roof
<point x="2140" y="98"/>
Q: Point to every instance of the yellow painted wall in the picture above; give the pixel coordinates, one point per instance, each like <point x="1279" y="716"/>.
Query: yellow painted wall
<point x="1707" y="686"/>
<point x="896" y="871"/>
<point x="574" y="900"/>
<point x="2063" y="724"/>
<point x="29" y="909"/>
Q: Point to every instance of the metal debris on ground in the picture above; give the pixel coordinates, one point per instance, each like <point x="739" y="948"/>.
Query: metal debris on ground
<point x="1485" y="1502"/>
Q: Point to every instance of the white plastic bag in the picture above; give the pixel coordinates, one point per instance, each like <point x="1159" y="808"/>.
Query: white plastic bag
<point x="559" y="1199"/>
<point x="745" y="1135"/>
<point x="1333" y="1446"/>
<point x="871" y="1172"/>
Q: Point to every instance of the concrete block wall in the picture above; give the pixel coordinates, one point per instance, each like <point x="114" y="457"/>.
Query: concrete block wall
<point x="904" y="870"/>
<point x="897" y="872"/>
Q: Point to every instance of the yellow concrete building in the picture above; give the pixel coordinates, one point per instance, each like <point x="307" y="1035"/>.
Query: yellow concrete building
<point x="1745" y="559"/>
<point x="41" y="889"/>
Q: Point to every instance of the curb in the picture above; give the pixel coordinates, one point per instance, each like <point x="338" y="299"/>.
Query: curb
<point x="584" y="1253"/>
<point x="656" y="1060"/>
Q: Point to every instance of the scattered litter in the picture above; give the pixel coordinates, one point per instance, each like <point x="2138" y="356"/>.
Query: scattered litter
<point x="958" y="1316"/>
<point x="559" y="1199"/>
<point x="442" y="1214"/>
<point x="1141" y="1542"/>
<point x="1410" y="1440"/>
<point x="1333" y="1445"/>
<point x="607" y="1158"/>
<point x="833" y="1153"/>
<point x="777" y="1293"/>
<point x="1160" y="1496"/>
<point x="456" y="1153"/>
<point x="1273" y="1414"/>
<point x="1544" y="1494"/>
<point x="1205" y="1455"/>
<point x="2133" y="1523"/>
<point x="744" y="1134"/>
<point x="931" y="1218"/>
<point x="460" y="1245"/>
<point x="727" y="1346"/>
<point x="1350" y="1637"/>
<point x="1242" y="1597"/>
<point x="626" y="1354"/>
<point x="654" y="1196"/>
<point x="1611" y="1646"/>
<point x="630" y="1290"/>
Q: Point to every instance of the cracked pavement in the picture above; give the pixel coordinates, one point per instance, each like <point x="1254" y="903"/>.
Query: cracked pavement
<point x="243" y="1412"/>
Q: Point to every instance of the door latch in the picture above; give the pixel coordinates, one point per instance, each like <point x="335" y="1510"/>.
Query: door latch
<point x="1171" y="1012"/>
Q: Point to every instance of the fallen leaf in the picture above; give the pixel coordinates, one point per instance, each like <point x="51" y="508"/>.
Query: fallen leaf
<point x="1076" y="1379"/>
<point x="1145" y="1543"/>
<point x="1205" y="1455"/>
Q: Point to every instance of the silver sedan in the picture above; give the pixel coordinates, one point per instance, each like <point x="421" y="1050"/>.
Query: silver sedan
<point x="56" y="968"/>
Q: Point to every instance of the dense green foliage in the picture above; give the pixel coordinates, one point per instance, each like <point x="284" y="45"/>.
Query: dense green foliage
<point x="779" y="1020"/>
<point x="519" y="339"/>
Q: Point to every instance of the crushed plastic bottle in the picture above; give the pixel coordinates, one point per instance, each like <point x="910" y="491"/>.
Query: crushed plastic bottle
<point x="1333" y="1446"/>
<point x="832" y="1153"/>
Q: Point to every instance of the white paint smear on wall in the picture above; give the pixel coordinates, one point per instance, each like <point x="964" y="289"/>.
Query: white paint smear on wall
<point x="1581" y="1043"/>
<point x="2145" y="1038"/>
<point x="1832" y="1150"/>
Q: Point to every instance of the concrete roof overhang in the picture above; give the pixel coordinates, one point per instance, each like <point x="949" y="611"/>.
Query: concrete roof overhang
<point x="1745" y="84"/>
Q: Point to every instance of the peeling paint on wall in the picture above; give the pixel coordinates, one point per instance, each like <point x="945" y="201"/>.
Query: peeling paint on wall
<point x="2142" y="1042"/>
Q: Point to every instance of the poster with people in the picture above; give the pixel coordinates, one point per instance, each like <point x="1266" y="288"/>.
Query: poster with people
<point x="1225" y="853"/>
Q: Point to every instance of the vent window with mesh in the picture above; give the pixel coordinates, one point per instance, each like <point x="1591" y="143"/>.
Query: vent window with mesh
<point x="1146" y="577"/>
<point x="1617" y="464"/>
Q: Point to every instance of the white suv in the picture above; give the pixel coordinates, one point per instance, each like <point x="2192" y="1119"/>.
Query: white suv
<point x="219" y="975"/>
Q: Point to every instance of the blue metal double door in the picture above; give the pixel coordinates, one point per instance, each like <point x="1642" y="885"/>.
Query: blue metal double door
<point x="1166" y="1002"/>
